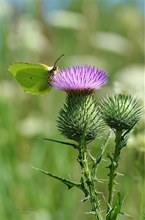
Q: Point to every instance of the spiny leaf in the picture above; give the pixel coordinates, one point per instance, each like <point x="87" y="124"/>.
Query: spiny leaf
<point x="62" y="142"/>
<point x="68" y="183"/>
<point x="116" y="208"/>
<point x="100" y="154"/>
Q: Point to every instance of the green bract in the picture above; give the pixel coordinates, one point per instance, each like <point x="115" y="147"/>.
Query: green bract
<point x="120" y="112"/>
<point x="79" y="116"/>
<point x="33" y="78"/>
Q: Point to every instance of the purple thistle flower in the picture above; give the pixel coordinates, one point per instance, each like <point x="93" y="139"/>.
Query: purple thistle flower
<point x="80" y="77"/>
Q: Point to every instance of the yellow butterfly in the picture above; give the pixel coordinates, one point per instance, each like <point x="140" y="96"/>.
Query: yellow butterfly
<point x="34" y="78"/>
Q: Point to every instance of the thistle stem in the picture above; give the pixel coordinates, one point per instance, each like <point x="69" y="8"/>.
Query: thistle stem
<point x="89" y="181"/>
<point x="112" y="174"/>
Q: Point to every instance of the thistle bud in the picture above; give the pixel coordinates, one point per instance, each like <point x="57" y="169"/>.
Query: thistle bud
<point x="80" y="112"/>
<point x="120" y="112"/>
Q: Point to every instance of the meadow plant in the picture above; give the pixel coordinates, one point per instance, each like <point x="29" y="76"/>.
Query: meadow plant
<point x="82" y="119"/>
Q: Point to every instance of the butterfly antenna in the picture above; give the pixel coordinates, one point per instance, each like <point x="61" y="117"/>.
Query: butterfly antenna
<point x="58" y="59"/>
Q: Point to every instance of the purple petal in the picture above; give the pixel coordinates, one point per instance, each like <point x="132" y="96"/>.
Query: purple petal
<point x="79" y="77"/>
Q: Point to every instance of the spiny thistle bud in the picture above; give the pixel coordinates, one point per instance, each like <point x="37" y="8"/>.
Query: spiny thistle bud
<point x="79" y="116"/>
<point x="80" y="111"/>
<point x="120" y="112"/>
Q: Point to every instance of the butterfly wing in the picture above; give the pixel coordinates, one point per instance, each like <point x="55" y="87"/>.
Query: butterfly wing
<point x="33" y="78"/>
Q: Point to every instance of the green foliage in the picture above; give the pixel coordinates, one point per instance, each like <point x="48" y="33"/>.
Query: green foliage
<point x="116" y="208"/>
<point x="68" y="183"/>
<point x="26" y="36"/>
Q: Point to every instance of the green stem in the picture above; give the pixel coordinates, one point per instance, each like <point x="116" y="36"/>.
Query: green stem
<point x="89" y="181"/>
<point x="99" y="156"/>
<point x="112" y="174"/>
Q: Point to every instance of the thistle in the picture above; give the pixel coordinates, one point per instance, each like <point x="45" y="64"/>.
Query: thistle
<point x="82" y="120"/>
<point x="120" y="112"/>
<point x="80" y="109"/>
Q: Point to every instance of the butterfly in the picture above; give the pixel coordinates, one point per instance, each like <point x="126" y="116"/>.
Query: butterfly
<point x="34" y="78"/>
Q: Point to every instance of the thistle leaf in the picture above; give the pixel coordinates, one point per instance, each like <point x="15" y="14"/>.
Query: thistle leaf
<point x="116" y="208"/>
<point x="62" y="142"/>
<point x="68" y="183"/>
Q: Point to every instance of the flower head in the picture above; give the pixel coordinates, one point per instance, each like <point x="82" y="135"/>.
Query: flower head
<point x="79" y="77"/>
<point x="80" y="112"/>
<point x="121" y="112"/>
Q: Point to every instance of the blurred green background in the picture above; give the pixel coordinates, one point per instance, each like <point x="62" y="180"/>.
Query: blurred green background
<point x="105" y="33"/>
